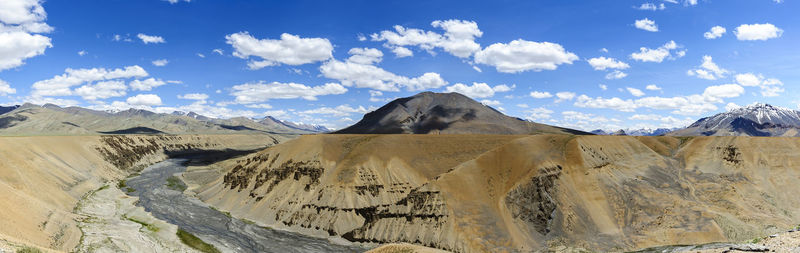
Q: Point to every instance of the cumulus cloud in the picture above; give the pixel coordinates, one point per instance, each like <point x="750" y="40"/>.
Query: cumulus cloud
<point x="61" y="85"/>
<point x="289" y="49"/>
<point x="102" y="90"/>
<point x="146" y="84"/>
<point x="652" y="87"/>
<point x="757" y="32"/>
<point x="458" y="38"/>
<point x="148" y="39"/>
<point x="616" y="74"/>
<point x="770" y="87"/>
<point x="564" y="95"/>
<point x="715" y="32"/>
<point x="651" y="7"/>
<point x="603" y="86"/>
<point x="339" y="111"/>
<point x="521" y="55"/>
<point x="695" y="104"/>
<point x="477" y="90"/>
<point x="355" y="72"/>
<point x="144" y="100"/>
<point x="635" y="92"/>
<point x="539" y="94"/>
<point x="160" y="62"/>
<point x="6" y="89"/>
<point x="176" y="1"/>
<point x="708" y="70"/>
<point x="17" y="46"/>
<point x="603" y="63"/>
<point x="196" y="96"/>
<point x="538" y="113"/>
<point x="659" y="54"/>
<point x="365" y="55"/>
<point x="646" y="24"/>
<point x="250" y="93"/>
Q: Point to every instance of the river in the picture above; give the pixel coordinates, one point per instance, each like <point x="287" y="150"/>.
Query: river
<point x="226" y="233"/>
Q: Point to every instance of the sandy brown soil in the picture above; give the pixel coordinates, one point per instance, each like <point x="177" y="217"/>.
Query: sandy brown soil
<point x="478" y="193"/>
<point x="42" y="178"/>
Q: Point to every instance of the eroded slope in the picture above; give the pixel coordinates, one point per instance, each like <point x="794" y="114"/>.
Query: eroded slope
<point x="473" y="193"/>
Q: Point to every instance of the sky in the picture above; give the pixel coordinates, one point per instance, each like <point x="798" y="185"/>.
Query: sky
<point x="580" y="64"/>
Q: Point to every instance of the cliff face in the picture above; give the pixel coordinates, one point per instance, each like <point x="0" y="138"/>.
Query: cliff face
<point x="470" y="193"/>
<point x="42" y="178"/>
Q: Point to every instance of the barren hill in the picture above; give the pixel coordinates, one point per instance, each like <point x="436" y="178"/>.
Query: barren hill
<point x="450" y="113"/>
<point x="753" y="120"/>
<point x="479" y="193"/>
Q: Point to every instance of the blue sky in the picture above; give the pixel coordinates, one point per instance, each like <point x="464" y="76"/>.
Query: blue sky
<point x="581" y="64"/>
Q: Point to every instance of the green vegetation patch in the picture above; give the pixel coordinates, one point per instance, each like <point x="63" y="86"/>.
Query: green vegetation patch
<point x="196" y="243"/>
<point x="146" y="225"/>
<point x="175" y="183"/>
<point x="27" y="249"/>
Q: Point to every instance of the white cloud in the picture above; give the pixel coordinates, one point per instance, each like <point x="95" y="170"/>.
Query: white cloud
<point x="715" y="32"/>
<point x="651" y="7"/>
<point x="635" y="92"/>
<point x="160" y="62"/>
<point x="196" y="96"/>
<point x="658" y="54"/>
<point x="251" y="93"/>
<point x="603" y="86"/>
<point x="144" y="100"/>
<point x="365" y="55"/>
<point x="218" y="51"/>
<point x="102" y="90"/>
<point x="690" y="2"/>
<point x="708" y="70"/>
<point x="477" y="90"/>
<point x="458" y="38"/>
<point x="401" y="52"/>
<point x="538" y="113"/>
<point x="176" y="1"/>
<point x="757" y="32"/>
<point x="724" y="91"/>
<point x="603" y="63"/>
<point x="289" y="49"/>
<point x="770" y="87"/>
<point x="616" y="74"/>
<point x="147" y="84"/>
<point x="521" y="55"/>
<point x="6" y="89"/>
<point x="82" y="52"/>
<point x="564" y="95"/>
<point x="652" y="87"/>
<point x="339" y="111"/>
<point x="60" y="85"/>
<point x="147" y="39"/>
<point x="351" y="73"/>
<point x="491" y="102"/>
<point x="646" y="24"/>
<point x="201" y="55"/>
<point x="539" y="94"/>
<point x="17" y="46"/>
<point x="611" y="103"/>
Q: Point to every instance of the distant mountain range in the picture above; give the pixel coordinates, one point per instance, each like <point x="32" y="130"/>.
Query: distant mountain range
<point x="753" y="120"/>
<point x="30" y="119"/>
<point x="447" y="113"/>
<point x="636" y="132"/>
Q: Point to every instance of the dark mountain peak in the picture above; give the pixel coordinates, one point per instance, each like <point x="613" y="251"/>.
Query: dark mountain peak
<point x="430" y="112"/>
<point x="757" y="119"/>
<point x="5" y="109"/>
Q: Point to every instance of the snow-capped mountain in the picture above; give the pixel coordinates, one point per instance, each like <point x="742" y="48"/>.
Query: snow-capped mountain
<point x="269" y="120"/>
<point x="635" y="132"/>
<point x="753" y="120"/>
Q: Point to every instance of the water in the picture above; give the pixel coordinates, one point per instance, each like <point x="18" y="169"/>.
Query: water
<point x="226" y="233"/>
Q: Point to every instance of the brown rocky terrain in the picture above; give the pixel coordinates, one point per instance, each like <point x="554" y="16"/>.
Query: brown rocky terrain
<point x="478" y="193"/>
<point x="42" y="178"/>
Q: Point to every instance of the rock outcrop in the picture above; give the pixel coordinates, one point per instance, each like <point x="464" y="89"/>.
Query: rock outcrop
<point x="479" y="193"/>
